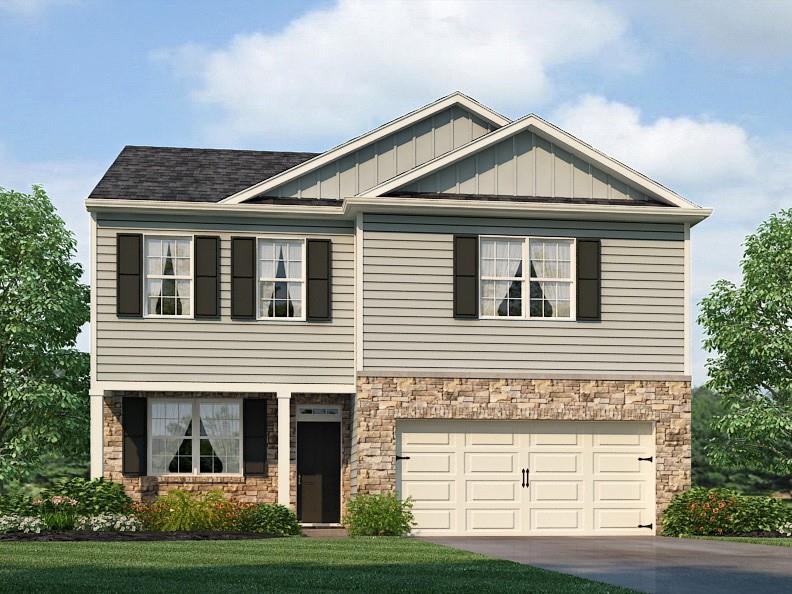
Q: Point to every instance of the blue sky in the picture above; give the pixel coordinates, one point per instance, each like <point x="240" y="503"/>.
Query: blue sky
<point x="694" y="94"/>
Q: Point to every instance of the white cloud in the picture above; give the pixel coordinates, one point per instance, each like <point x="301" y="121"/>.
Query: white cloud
<point x="68" y="184"/>
<point x="713" y="163"/>
<point x="335" y="71"/>
<point x="740" y="29"/>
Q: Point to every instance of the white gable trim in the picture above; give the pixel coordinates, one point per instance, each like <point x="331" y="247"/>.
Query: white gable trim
<point x="356" y="143"/>
<point x="551" y="133"/>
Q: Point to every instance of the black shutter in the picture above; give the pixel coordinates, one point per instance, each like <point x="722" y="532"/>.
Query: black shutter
<point x="207" y="277"/>
<point x="588" y="279"/>
<point x="466" y="276"/>
<point x="243" y="278"/>
<point x="319" y="281"/>
<point x="129" y="279"/>
<point x="133" y="422"/>
<point x="254" y="436"/>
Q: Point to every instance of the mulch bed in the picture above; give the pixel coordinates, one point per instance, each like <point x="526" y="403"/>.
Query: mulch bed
<point x="132" y="536"/>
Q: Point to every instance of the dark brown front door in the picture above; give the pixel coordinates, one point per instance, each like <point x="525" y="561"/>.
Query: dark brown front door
<point x="319" y="472"/>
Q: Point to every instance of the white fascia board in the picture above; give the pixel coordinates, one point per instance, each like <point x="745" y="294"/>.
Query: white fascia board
<point x="127" y="386"/>
<point x="550" y="132"/>
<point x="543" y="210"/>
<point x="374" y="135"/>
<point x="350" y="207"/>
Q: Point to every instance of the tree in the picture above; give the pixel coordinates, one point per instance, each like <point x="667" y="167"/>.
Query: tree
<point x="43" y="305"/>
<point x="749" y="330"/>
<point x="707" y="406"/>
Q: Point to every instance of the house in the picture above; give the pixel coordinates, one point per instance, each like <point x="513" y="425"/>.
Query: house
<point x="488" y="316"/>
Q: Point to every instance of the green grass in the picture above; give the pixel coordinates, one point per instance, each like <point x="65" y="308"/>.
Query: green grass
<point x="776" y="542"/>
<point x="296" y="564"/>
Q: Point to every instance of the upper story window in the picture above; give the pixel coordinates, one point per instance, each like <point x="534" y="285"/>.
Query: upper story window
<point x="281" y="278"/>
<point x="168" y="285"/>
<point x="195" y="437"/>
<point x="550" y="274"/>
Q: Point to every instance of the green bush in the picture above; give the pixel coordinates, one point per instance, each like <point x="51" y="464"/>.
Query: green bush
<point x="378" y="515"/>
<point x="269" y="518"/>
<point x="720" y="512"/>
<point x="59" y="520"/>
<point x="185" y="511"/>
<point x="93" y="497"/>
<point x="18" y="505"/>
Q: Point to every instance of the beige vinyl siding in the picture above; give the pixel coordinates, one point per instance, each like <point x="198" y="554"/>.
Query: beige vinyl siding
<point x="526" y="165"/>
<point x="388" y="157"/>
<point x="408" y="299"/>
<point x="160" y="350"/>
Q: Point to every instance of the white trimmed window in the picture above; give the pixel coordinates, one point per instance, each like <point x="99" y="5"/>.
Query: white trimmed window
<point x="195" y="436"/>
<point x="550" y="266"/>
<point x="168" y="284"/>
<point x="281" y="278"/>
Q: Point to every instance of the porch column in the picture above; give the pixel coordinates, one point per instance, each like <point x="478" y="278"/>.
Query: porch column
<point x="96" y="400"/>
<point x="284" y="448"/>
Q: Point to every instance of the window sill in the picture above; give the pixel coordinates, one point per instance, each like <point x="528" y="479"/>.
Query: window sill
<point x="194" y="479"/>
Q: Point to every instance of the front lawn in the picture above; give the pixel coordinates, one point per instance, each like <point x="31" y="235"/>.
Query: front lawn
<point x="277" y="565"/>
<point x="776" y="542"/>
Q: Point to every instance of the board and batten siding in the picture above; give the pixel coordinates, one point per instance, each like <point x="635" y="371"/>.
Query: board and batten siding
<point x="225" y="350"/>
<point x="388" y="157"/>
<point x="408" y="299"/>
<point x="526" y="165"/>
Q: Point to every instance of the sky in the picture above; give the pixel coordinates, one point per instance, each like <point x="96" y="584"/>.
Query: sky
<point x="694" y="94"/>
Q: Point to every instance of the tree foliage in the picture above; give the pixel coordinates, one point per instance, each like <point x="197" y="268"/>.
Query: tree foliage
<point x="708" y="406"/>
<point x="43" y="305"/>
<point x="749" y="331"/>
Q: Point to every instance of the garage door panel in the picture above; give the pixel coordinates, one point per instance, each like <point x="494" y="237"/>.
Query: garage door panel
<point x="555" y="462"/>
<point x="421" y="462"/>
<point x="621" y="519"/>
<point x="434" y="519"/>
<point x="492" y="519"/>
<point x="555" y="439"/>
<point x="501" y="463"/>
<point x="617" y="463"/>
<point x="485" y="491"/>
<point x="556" y="491"/>
<point x="420" y="438"/>
<point x="619" y="491"/>
<point x="557" y="519"/>
<point x="421" y="491"/>
<point x="490" y="439"/>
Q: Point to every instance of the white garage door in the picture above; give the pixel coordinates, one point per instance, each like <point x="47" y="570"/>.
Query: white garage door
<point x="527" y="477"/>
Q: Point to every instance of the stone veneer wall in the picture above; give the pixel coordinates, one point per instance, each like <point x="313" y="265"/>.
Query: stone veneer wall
<point x="262" y="489"/>
<point x="381" y="401"/>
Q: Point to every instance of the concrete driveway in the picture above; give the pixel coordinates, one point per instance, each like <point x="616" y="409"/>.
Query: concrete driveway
<point x="648" y="564"/>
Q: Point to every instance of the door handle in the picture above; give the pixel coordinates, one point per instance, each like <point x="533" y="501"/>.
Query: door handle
<point x="523" y="478"/>
<point x="402" y="457"/>
<point x="527" y="477"/>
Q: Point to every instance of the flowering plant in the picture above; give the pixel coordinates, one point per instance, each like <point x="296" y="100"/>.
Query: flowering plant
<point x="17" y="523"/>
<point x="108" y="523"/>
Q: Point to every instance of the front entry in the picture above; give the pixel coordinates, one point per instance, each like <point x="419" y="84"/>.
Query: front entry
<point x="319" y="471"/>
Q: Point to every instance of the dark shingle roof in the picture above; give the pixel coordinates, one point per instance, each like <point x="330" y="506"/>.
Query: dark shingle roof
<point x="195" y="175"/>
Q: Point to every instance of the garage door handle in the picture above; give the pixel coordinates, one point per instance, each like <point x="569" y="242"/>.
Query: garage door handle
<point x="649" y="459"/>
<point x="402" y="457"/>
<point x="645" y="526"/>
<point x="523" y="479"/>
<point x="527" y="477"/>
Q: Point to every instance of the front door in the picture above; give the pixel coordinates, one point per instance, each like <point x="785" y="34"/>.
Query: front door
<point x="319" y="472"/>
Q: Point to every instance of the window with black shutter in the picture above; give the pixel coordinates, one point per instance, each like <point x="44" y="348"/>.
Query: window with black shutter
<point x="133" y="423"/>
<point x="319" y="289"/>
<point x="207" y="277"/>
<point x="466" y="276"/>
<point x="589" y="279"/>
<point x="129" y="278"/>
<point x="254" y="422"/>
<point x="243" y="278"/>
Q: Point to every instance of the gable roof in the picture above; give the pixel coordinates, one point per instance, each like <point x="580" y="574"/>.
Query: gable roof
<point x="550" y="132"/>
<point x="188" y="174"/>
<point x="368" y="138"/>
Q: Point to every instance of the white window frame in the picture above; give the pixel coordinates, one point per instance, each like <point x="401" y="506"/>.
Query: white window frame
<point x="191" y="237"/>
<point x="526" y="279"/>
<point x="196" y="436"/>
<point x="302" y="279"/>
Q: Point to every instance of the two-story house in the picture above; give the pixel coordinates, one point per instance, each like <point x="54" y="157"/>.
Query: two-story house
<point x="488" y="316"/>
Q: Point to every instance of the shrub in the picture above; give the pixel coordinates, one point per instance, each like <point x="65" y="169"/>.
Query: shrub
<point x="18" y="523"/>
<point x="269" y="518"/>
<point x="109" y="523"/>
<point x="93" y="497"/>
<point x="378" y="515"/>
<point x="719" y="512"/>
<point x="185" y="511"/>
<point x="18" y="505"/>
<point x="58" y="512"/>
